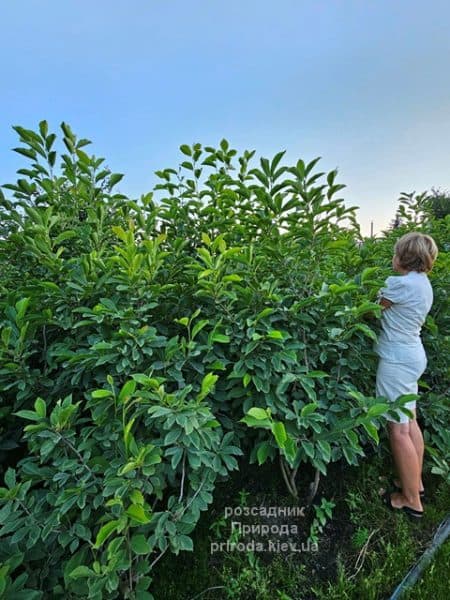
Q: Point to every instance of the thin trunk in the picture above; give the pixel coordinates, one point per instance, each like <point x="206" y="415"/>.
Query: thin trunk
<point x="313" y="487"/>
<point x="287" y="479"/>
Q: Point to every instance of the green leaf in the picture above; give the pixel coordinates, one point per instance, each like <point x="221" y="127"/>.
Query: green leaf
<point x="275" y="334"/>
<point x="101" y="393"/>
<point x="368" y="271"/>
<point x="308" y="386"/>
<point x="263" y="452"/>
<point x="137" y="497"/>
<point x="10" y="478"/>
<point x="6" y="335"/>
<point x="81" y="571"/>
<point x="67" y="131"/>
<point x="308" y="448"/>
<point x="115" y="178"/>
<point x="43" y="128"/>
<point x="377" y="409"/>
<point x="40" y="407"/>
<point x="208" y="383"/>
<point x="317" y="374"/>
<point x="335" y="332"/>
<point x="120" y="232"/>
<point x="372" y="431"/>
<point x="185" y="149"/>
<point x="26" y="152"/>
<point x="405" y="398"/>
<point x="325" y="448"/>
<point x="290" y="449"/>
<point x="198" y="327"/>
<point x="172" y="436"/>
<point x="144" y="379"/>
<point x="252" y="422"/>
<point x="279" y="432"/>
<point x="232" y="277"/>
<point x="130" y="466"/>
<point x="308" y="409"/>
<point x="102" y="346"/>
<point x="176" y="457"/>
<point x="219" y="337"/>
<point x="357" y="395"/>
<point x="185" y="542"/>
<point x="65" y="235"/>
<point x="3" y="581"/>
<point x="258" y="413"/>
<point x="205" y="273"/>
<point x="139" y="544"/>
<point x="206" y="239"/>
<point x="105" y="532"/>
<point x="21" y="307"/>
<point x="366" y="330"/>
<point x="28" y="414"/>
<point x="264" y="313"/>
<point x="275" y="161"/>
<point x="127" y="391"/>
<point x="127" y="435"/>
<point x="205" y="256"/>
<point x="137" y="513"/>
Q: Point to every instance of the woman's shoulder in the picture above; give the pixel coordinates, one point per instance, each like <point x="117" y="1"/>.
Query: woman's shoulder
<point x="395" y="281"/>
<point x="395" y="289"/>
<point x="419" y="286"/>
<point x="416" y="278"/>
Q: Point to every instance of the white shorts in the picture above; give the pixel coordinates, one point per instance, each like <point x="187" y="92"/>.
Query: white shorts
<point x="395" y="379"/>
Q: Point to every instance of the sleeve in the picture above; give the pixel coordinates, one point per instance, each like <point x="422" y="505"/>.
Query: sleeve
<point x="394" y="290"/>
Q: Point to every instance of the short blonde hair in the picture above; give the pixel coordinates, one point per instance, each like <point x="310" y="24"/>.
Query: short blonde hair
<point x="416" y="251"/>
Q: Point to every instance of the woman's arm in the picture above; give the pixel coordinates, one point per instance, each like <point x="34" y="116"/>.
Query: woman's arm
<point x="385" y="303"/>
<point x="393" y="292"/>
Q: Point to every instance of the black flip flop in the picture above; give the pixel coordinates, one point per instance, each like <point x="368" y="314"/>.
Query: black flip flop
<point x="399" y="489"/>
<point x="411" y="512"/>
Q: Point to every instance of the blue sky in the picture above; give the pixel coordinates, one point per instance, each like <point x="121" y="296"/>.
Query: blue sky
<point x="364" y="84"/>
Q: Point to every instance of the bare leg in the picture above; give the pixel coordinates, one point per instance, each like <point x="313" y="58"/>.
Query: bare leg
<point x="408" y="466"/>
<point x="417" y="439"/>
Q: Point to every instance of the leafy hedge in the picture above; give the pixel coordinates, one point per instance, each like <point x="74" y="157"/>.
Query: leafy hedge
<point x="145" y="345"/>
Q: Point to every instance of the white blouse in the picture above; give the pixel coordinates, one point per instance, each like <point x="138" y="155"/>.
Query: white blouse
<point x="401" y="323"/>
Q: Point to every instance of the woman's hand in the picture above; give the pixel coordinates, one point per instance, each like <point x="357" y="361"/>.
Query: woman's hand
<point x="385" y="303"/>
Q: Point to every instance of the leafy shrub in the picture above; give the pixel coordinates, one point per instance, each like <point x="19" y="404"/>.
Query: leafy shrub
<point x="147" y="343"/>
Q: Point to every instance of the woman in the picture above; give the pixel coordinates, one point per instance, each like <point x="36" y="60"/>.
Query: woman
<point x="406" y="301"/>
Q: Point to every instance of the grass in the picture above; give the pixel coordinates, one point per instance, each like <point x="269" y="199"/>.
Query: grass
<point x="364" y="550"/>
<point x="434" y="582"/>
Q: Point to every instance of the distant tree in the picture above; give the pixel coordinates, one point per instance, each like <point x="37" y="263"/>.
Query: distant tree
<point x="439" y="203"/>
<point x="417" y="209"/>
<point x="396" y="222"/>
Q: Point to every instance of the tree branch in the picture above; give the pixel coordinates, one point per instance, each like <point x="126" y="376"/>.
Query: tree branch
<point x="291" y="488"/>
<point x="72" y="447"/>
<point x="313" y="487"/>
<point x="182" y="477"/>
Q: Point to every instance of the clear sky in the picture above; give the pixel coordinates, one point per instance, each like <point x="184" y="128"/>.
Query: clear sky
<point x="365" y="84"/>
